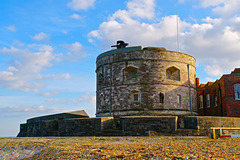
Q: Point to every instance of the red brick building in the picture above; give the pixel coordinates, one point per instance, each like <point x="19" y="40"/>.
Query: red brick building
<point x="220" y="98"/>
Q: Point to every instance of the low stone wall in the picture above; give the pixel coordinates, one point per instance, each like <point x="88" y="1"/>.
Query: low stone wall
<point x="142" y="125"/>
<point x="129" y="126"/>
<point x="69" y="127"/>
<point x="205" y="123"/>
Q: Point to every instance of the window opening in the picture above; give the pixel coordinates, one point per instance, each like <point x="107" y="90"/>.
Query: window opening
<point x="215" y="101"/>
<point x="179" y="99"/>
<point x="161" y="98"/>
<point x="102" y="100"/>
<point x="134" y="74"/>
<point x="237" y="91"/>
<point x="201" y="101"/>
<point x="135" y="96"/>
<point x="173" y="73"/>
<point x="208" y="100"/>
<point x="130" y="73"/>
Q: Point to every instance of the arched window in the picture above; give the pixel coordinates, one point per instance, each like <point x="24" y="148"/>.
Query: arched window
<point x="130" y="73"/>
<point x="173" y="73"/>
<point x="102" y="100"/>
<point x="161" y="98"/>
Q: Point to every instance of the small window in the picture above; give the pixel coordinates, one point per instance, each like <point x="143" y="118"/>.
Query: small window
<point x="135" y="96"/>
<point x="161" y="98"/>
<point x="237" y="91"/>
<point x="215" y="101"/>
<point x="179" y="99"/>
<point x="130" y="73"/>
<point x="102" y="100"/>
<point x="208" y="100"/>
<point x="173" y="73"/>
<point x="201" y="101"/>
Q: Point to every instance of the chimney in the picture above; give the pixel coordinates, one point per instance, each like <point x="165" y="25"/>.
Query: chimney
<point x="197" y="82"/>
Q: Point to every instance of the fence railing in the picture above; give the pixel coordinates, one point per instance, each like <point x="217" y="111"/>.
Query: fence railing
<point x="221" y="130"/>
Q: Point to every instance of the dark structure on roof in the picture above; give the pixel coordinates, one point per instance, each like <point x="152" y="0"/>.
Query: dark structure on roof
<point x="65" y="115"/>
<point x="120" y="44"/>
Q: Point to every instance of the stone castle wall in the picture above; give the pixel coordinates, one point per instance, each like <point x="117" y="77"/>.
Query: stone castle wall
<point x="128" y="73"/>
<point x="129" y="126"/>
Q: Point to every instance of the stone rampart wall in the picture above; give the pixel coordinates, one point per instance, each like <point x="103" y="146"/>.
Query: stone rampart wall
<point x="129" y="126"/>
<point x="141" y="125"/>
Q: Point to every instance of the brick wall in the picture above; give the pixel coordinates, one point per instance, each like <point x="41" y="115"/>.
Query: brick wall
<point x="232" y="107"/>
<point x="223" y="88"/>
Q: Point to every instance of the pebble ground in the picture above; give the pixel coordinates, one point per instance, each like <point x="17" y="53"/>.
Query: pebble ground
<point x="114" y="148"/>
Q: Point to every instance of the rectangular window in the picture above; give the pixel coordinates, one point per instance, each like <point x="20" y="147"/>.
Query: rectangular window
<point x="237" y="91"/>
<point x="135" y="97"/>
<point x="179" y="99"/>
<point x="134" y="74"/>
<point x="161" y="98"/>
<point x="201" y="101"/>
<point x="215" y="101"/>
<point x="208" y="100"/>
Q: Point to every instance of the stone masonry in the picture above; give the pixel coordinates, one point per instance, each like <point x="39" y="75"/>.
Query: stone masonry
<point x="145" y="81"/>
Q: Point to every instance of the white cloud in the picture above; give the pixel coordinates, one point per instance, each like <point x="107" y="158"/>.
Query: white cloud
<point x="181" y="1"/>
<point x="62" y="76"/>
<point x="64" y="31"/>
<point x="75" y="16"/>
<point x="81" y="4"/>
<point x="75" y="51"/>
<point x="207" y="3"/>
<point x="88" y="97"/>
<point x="11" y="28"/>
<point x="40" y="36"/>
<point x="18" y="43"/>
<point x="222" y="7"/>
<point x="212" y="20"/>
<point x="208" y="79"/>
<point x="22" y="72"/>
<point x="46" y="94"/>
<point x="141" y="8"/>
<point x="31" y="109"/>
<point x="214" y="42"/>
<point x="216" y="46"/>
<point x="122" y="26"/>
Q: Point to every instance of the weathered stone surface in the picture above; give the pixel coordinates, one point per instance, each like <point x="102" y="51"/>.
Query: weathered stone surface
<point x="129" y="126"/>
<point x="141" y="125"/>
<point x="151" y="66"/>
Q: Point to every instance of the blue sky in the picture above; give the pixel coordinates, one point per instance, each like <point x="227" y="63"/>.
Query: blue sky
<point x="48" y="48"/>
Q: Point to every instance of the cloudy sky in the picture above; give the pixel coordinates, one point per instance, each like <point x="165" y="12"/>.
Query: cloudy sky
<point x="48" y="48"/>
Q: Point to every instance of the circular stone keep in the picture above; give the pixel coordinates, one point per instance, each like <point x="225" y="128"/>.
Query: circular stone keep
<point x="145" y="81"/>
